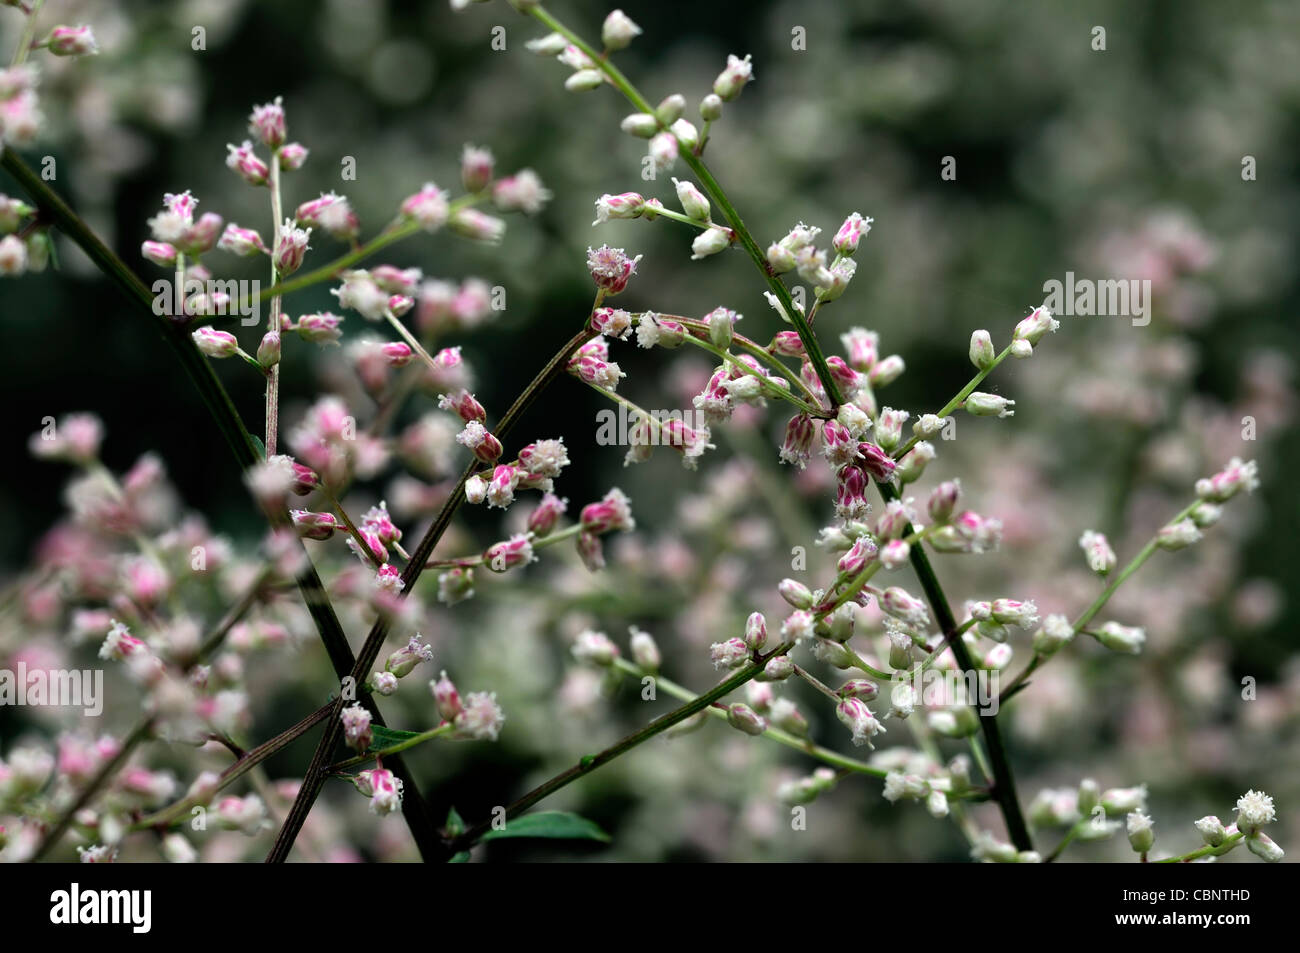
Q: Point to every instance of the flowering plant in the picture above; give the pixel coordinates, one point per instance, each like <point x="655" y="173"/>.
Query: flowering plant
<point x="185" y="621"/>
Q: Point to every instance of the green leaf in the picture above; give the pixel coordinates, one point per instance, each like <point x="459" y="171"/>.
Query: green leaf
<point x="461" y="858"/>
<point x="455" y="825"/>
<point x="387" y="737"/>
<point x="556" y="825"/>
<point x="257" y="442"/>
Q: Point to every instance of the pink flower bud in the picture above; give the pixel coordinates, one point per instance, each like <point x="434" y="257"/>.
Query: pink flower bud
<point x="799" y="435"/>
<point x="876" y="462"/>
<point x="471" y="223"/>
<point x="610" y="268"/>
<point x="851" y="493"/>
<point x="215" y="343"/>
<point x="904" y="607"/>
<point x="291" y="248"/>
<point x="396" y="354"/>
<point x="624" y="205"/>
<point x="1032" y="328"/>
<point x="732" y="79"/>
<point x="322" y="328"/>
<point x="613" y="512"/>
<point x="857" y="717"/>
<point x="521" y="192"/>
<point x="850" y="233"/>
<point x="859" y="556"/>
<point x="943" y="500"/>
<point x="476" y="167"/>
<point x="356" y="728"/>
<point x="427" y="207"/>
<point x="732" y="653"/>
<point x="160" y="253"/>
<point x="1097" y="550"/>
<point x="795" y="593"/>
<point x="402" y="662"/>
<point x="1225" y="484"/>
<point x="248" y="166"/>
<point x="292" y="156"/>
<point x="507" y="554"/>
<point x="756" y="631"/>
<point x="268" y="351"/>
<point x="455" y="585"/>
<point x="445" y="697"/>
<point x="542" y="520"/>
<point x="464" y="405"/>
<point x="887" y="371"/>
<point x="778" y="669"/>
<point x="267" y="123"/>
<point x="241" y="241"/>
<point x="480" y="441"/>
<point x="71" y="41"/>
<point x="314" y="525"/>
<point x="745" y="719"/>
<point x="591" y="551"/>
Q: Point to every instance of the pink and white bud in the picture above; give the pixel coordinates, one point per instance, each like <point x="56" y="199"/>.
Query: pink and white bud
<point x="982" y="354"/>
<point x="612" y="512"/>
<point x="428" y="207"/>
<point x="291" y="248"/>
<point x="744" y="718"/>
<point x="215" y="343"/>
<point x="542" y="520"/>
<point x="1032" y="328"/>
<point x="403" y="661"/>
<point x="480" y="719"/>
<point x="314" y="525"/>
<point x="292" y="156"/>
<point x="160" y="253"/>
<point x="476" y="438"/>
<point x="595" y="648"/>
<point x="854" y="714"/>
<point x="71" y="41"/>
<point x="850" y="234"/>
<point x="240" y="241"/>
<point x="886" y="371"/>
<point x="248" y="166"/>
<point x="268" y="124"/>
<point x="1225" y="484"/>
<point x="463" y="405"/>
<point x="356" y="728"/>
<point x="610" y="268"/>
<point x="476" y="168"/>
<point x="481" y="227"/>
<point x="321" y="328"/>
<point x="509" y="553"/>
<point x="733" y="79"/>
<point x="799" y="435"/>
<point x="644" y="650"/>
<point x="895" y="553"/>
<point x="623" y="205"/>
<point x="1122" y="638"/>
<point x="851" y="493"/>
<point x="445" y="697"/>
<point x="1178" y="535"/>
<point x="1097" y="550"/>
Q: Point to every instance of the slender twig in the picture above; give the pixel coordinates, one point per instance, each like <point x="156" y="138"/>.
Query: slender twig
<point x="245" y="763"/>
<point x="714" y="192"/>
<point x="241" y="444"/>
<point x="590" y="763"/>
<point x="319" y="768"/>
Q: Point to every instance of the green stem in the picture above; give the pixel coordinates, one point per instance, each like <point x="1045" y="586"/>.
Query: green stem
<point x="775" y="734"/>
<point x="393" y="749"/>
<point x="1004" y="785"/>
<point x="590" y="763"/>
<point x="273" y="322"/>
<point x="956" y="402"/>
<point x="319" y="768"/>
<point x="1206" y="851"/>
<point x="28" y="35"/>
<point x="714" y="192"/>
